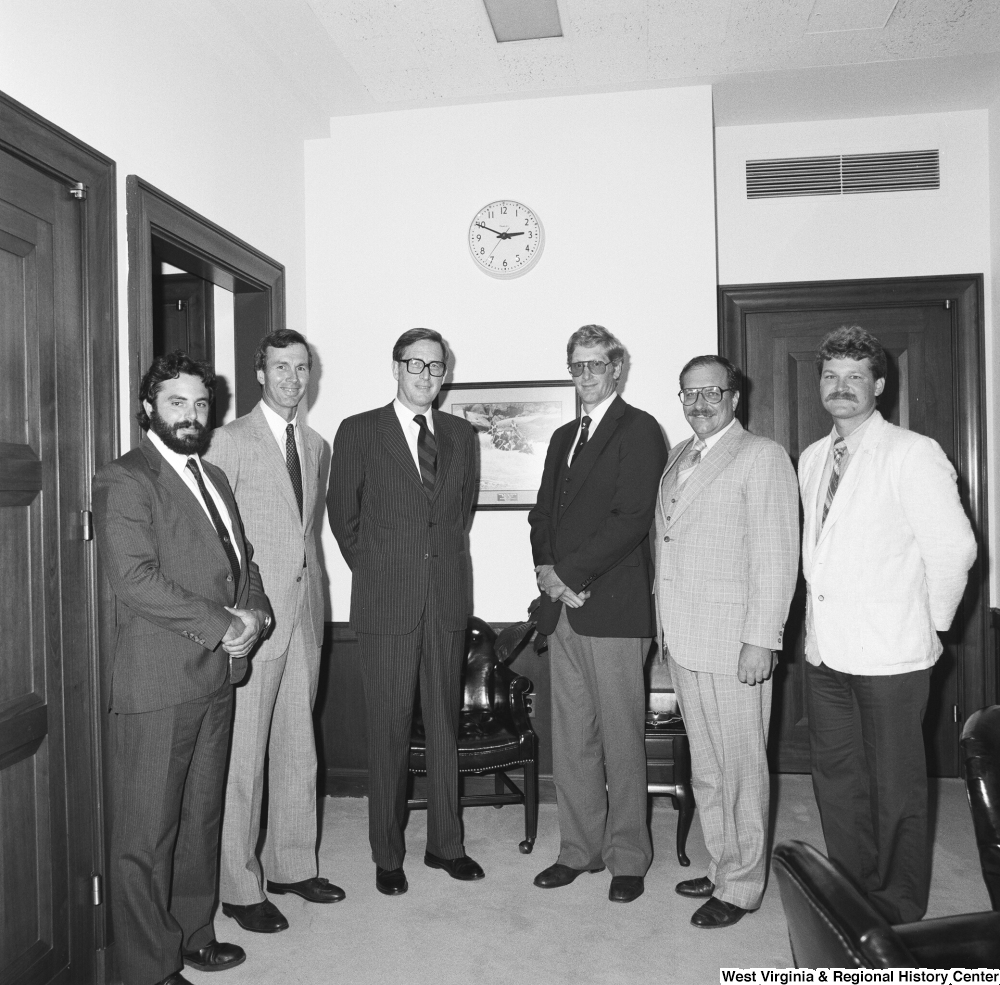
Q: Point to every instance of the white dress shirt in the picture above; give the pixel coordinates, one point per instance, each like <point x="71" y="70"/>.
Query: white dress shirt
<point x="278" y="426"/>
<point x="596" y="416"/>
<point x="178" y="463"/>
<point x="411" y="429"/>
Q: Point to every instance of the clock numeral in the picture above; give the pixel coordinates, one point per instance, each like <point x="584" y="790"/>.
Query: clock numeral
<point x="517" y="257"/>
<point x="482" y="249"/>
<point x="525" y="221"/>
<point x="479" y="236"/>
<point x="489" y="215"/>
<point x="505" y="263"/>
<point x="530" y="234"/>
<point x="503" y="210"/>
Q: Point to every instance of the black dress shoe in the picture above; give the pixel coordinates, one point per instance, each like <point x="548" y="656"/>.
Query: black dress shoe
<point x="558" y="875"/>
<point x="392" y="882"/>
<point x="695" y="887"/>
<point x="215" y="957"/>
<point x="624" y="889"/>
<point x="717" y="913"/>
<point x="262" y="918"/>
<point x="315" y="890"/>
<point x="175" y="979"/>
<point x="463" y="868"/>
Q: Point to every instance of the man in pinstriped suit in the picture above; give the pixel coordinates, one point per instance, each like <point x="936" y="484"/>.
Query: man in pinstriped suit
<point x="727" y="549"/>
<point x="403" y="484"/>
<point x="189" y="607"/>
<point x="277" y="466"/>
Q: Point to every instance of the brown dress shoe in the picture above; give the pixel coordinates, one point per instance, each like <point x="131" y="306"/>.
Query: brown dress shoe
<point x="715" y="913"/>
<point x="558" y="875"/>
<point x="695" y="887"/>
<point x="315" y="890"/>
<point x="215" y="957"/>
<point x="260" y="918"/>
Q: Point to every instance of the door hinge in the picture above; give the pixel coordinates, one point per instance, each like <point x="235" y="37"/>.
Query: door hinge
<point x="78" y="190"/>
<point x="87" y="525"/>
<point x="95" y="889"/>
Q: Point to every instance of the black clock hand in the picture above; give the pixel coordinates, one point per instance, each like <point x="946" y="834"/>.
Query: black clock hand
<point x="512" y="235"/>
<point x="487" y="228"/>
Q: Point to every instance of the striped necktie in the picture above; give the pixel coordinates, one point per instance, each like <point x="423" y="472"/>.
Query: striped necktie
<point x="293" y="465"/>
<point x="426" y="454"/>
<point x="839" y="448"/>
<point x="584" y="432"/>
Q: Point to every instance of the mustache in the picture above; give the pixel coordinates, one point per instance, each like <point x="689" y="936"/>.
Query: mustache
<point x="194" y="425"/>
<point x="842" y="395"/>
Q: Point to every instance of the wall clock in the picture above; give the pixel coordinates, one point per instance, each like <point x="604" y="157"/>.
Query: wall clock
<point x="506" y="239"/>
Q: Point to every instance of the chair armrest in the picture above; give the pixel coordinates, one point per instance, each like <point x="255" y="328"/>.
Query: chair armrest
<point x="971" y="940"/>
<point x="509" y="705"/>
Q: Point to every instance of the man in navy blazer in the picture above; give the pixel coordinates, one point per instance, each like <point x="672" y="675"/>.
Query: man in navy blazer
<point x="189" y="607"/>
<point x="402" y="488"/>
<point x="589" y="538"/>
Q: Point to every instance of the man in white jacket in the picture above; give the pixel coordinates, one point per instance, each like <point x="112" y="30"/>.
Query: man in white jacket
<point x="886" y="550"/>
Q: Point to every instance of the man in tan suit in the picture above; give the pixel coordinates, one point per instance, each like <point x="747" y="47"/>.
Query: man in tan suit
<point x="727" y="552"/>
<point x="278" y="468"/>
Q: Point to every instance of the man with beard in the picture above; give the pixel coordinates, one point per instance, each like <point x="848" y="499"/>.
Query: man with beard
<point x="277" y="467"/>
<point x="189" y="607"/>
<point x="886" y="549"/>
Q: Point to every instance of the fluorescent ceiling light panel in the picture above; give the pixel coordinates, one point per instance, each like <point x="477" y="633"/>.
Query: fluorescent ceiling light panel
<point x="524" y="20"/>
<point x="829" y="16"/>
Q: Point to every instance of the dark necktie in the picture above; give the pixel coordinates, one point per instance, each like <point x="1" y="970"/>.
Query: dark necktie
<point x="292" y="462"/>
<point x="220" y="527"/>
<point x="839" y="447"/>
<point x="426" y="454"/>
<point x="584" y="430"/>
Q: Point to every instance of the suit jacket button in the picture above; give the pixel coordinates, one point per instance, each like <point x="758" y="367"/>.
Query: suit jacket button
<point x="673" y="501"/>
<point x="666" y="540"/>
<point x="668" y="517"/>
<point x="821" y="598"/>
<point x="229" y="577"/>
<point x="299" y="578"/>
<point x="426" y="556"/>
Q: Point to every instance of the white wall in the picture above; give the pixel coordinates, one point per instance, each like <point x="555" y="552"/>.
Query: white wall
<point x="898" y="234"/>
<point x="623" y="184"/>
<point x="172" y="93"/>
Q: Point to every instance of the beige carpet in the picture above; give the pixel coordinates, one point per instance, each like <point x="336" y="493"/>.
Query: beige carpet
<point x="504" y="930"/>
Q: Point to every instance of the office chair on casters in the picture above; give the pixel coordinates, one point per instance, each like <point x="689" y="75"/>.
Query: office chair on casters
<point x="981" y="748"/>
<point x="495" y="733"/>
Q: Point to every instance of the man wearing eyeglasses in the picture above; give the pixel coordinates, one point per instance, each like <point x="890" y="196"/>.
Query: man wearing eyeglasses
<point x="590" y="541"/>
<point x="402" y="488"/>
<point x="727" y="552"/>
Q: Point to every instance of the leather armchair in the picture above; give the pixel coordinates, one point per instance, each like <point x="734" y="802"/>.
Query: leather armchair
<point x="981" y="748"/>
<point x="832" y="925"/>
<point x="495" y="733"/>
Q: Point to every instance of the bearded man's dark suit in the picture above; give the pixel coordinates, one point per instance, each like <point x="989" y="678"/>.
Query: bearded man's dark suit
<point x="591" y="522"/>
<point x="171" y="702"/>
<point x="410" y="603"/>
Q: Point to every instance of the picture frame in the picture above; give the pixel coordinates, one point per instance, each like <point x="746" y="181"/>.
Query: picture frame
<point x="515" y="422"/>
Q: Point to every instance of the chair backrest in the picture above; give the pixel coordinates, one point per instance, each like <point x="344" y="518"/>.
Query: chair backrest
<point x="981" y="747"/>
<point x="830" y="924"/>
<point x="477" y="672"/>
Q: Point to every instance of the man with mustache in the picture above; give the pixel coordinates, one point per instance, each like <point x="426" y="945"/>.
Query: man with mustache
<point x="886" y="549"/>
<point x="278" y="468"/>
<point x="189" y="607"/>
<point x="727" y="553"/>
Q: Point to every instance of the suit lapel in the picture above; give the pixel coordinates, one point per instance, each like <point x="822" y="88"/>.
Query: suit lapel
<point x="857" y="467"/>
<point x="714" y="463"/>
<point x="445" y="451"/>
<point x="274" y="459"/>
<point x="591" y="451"/>
<point x="391" y="436"/>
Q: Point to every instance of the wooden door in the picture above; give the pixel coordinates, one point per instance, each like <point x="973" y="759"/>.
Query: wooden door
<point x="931" y="331"/>
<point x="51" y="920"/>
<point x="184" y="316"/>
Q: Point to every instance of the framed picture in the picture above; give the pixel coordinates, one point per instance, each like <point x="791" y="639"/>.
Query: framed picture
<point x="515" y="422"/>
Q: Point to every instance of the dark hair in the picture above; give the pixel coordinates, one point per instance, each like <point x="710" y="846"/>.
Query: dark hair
<point x="418" y="335"/>
<point x="733" y="376"/>
<point x="169" y="367"/>
<point x="853" y="342"/>
<point x="281" y="339"/>
<point x="590" y="336"/>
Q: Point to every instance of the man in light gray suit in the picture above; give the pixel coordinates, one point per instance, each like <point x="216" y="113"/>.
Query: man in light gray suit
<point x="277" y="466"/>
<point x="727" y="552"/>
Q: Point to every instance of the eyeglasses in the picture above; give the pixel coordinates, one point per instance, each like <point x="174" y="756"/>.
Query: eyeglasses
<point x="416" y="366"/>
<point x="597" y="368"/>
<point x="712" y="394"/>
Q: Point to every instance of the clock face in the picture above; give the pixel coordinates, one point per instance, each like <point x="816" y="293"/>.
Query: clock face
<point x="505" y="239"/>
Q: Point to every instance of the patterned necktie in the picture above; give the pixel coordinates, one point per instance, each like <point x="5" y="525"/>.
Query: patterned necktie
<point x="693" y="456"/>
<point x="220" y="527"/>
<point x="584" y="431"/>
<point x="292" y="463"/>
<point x="839" y="449"/>
<point x="426" y="454"/>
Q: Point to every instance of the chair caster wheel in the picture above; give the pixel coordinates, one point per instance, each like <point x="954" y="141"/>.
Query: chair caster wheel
<point x="683" y="859"/>
<point x="526" y="847"/>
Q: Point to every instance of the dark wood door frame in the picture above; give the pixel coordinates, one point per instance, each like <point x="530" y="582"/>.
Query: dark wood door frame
<point x="963" y="294"/>
<point x="161" y="228"/>
<point x="51" y="150"/>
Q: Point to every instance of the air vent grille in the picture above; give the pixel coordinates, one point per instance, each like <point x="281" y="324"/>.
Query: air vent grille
<point x="847" y="174"/>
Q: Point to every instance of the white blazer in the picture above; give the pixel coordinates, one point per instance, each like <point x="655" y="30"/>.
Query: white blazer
<point x="889" y="567"/>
